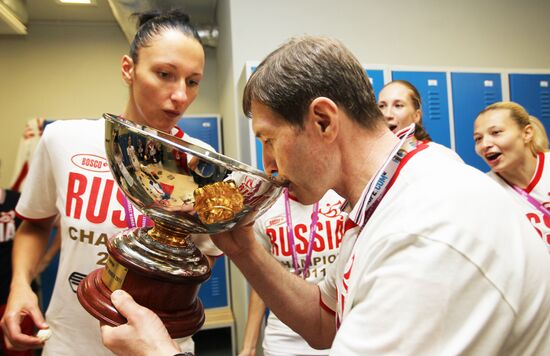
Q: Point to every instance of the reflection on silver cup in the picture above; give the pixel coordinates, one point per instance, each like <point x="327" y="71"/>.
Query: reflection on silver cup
<point x="184" y="188"/>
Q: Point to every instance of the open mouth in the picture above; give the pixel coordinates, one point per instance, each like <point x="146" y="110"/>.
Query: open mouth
<point x="491" y="157"/>
<point x="392" y="127"/>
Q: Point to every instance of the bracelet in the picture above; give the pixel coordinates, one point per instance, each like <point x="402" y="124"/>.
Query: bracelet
<point x="184" y="354"/>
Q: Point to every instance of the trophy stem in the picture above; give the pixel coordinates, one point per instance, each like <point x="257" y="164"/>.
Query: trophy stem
<point x="169" y="235"/>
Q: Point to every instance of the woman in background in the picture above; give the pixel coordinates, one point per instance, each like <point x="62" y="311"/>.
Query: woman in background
<point x="401" y="104"/>
<point x="515" y="147"/>
<point x="305" y="239"/>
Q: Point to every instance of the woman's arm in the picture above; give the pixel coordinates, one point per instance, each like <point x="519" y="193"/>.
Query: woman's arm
<point x="256" y="312"/>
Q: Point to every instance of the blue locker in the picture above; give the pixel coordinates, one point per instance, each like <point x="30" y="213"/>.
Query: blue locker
<point x="213" y="293"/>
<point x="435" y="107"/>
<point x="205" y="128"/>
<point x="472" y="92"/>
<point x="258" y="150"/>
<point x="533" y="93"/>
<point x="376" y="77"/>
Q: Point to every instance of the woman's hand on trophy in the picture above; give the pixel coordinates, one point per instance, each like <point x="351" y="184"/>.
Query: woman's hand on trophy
<point x="22" y="303"/>
<point x="144" y="334"/>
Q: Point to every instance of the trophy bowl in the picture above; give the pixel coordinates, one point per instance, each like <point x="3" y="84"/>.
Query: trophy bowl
<point x="184" y="188"/>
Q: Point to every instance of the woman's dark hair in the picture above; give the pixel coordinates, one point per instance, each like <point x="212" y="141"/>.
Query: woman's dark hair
<point x="152" y="23"/>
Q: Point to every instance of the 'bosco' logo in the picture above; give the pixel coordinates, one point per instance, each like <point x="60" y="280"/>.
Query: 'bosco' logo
<point x="90" y="162"/>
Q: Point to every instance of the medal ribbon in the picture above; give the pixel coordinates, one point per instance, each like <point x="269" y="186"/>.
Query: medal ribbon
<point x="529" y="198"/>
<point x="290" y="232"/>
<point x="130" y="218"/>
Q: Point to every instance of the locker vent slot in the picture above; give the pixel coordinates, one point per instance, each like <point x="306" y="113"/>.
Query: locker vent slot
<point x="434" y="105"/>
<point x="545" y="104"/>
<point x="489" y="97"/>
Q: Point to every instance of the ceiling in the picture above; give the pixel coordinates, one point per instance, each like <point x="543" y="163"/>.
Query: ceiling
<point x="202" y="12"/>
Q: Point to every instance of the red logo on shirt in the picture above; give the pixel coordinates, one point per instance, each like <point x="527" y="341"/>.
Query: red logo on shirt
<point x="276" y="221"/>
<point x="90" y="162"/>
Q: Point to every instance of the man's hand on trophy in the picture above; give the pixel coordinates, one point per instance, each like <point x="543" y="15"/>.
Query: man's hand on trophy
<point x="144" y="334"/>
<point x="22" y="303"/>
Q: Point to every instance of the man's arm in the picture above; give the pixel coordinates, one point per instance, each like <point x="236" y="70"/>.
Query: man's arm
<point x="29" y="245"/>
<point x="292" y="299"/>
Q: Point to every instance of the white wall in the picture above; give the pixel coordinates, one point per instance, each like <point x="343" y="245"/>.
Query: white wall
<point x="504" y="33"/>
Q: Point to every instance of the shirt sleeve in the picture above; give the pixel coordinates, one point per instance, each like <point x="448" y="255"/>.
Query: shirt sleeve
<point x="39" y="194"/>
<point x="328" y="290"/>
<point x="261" y="236"/>
<point x="328" y="286"/>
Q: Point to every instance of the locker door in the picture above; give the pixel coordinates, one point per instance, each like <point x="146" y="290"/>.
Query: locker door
<point x="435" y="107"/>
<point x="472" y="92"/>
<point x="532" y="92"/>
<point x="206" y="129"/>
<point x="376" y="77"/>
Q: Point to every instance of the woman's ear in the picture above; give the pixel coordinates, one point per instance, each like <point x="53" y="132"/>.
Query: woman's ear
<point x="127" y="69"/>
<point x="418" y="116"/>
<point x="324" y="114"/>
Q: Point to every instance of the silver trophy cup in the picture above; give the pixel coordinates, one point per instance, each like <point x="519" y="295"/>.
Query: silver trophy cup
<point x="184" y="188"/>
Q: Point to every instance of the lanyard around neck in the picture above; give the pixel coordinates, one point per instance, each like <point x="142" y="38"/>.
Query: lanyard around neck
<point x="290" y="232"/>
<point x="378" y="186"/>
<point x="534" y="202"/>
<point x="130" y="218"/>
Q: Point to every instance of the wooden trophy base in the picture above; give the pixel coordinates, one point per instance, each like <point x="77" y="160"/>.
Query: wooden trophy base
<point x="174" y="301"/>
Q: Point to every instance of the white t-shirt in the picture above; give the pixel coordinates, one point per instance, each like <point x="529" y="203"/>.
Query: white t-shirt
<point x="538" y="188"/>
<point x="69" y="175"/>
<point x="439" y="270"/>
<point x="271" y="232"/>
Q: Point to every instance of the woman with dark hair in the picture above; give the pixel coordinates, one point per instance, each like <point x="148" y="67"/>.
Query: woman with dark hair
<point x="163" y="72"/>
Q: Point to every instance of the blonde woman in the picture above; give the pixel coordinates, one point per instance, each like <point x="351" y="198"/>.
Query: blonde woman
<point x="515" y="146"/>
